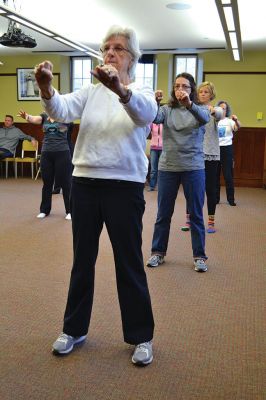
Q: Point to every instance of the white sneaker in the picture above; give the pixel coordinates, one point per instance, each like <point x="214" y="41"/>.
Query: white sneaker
<point x="155" y="260"/>
<point x="68" y="216"/>
<point x="143" y="354"/>
<point x="200" y="265"/>
<point x="41" y="215"/>
<point x="64" y="343"/>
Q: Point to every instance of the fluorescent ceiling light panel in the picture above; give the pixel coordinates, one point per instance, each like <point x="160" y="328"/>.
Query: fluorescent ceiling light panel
<point x="68" y="43"/>
<point x="10" y="14"/>
<point x="97" y="53"/>
<point x="236" y="55"/>
<point x="30" y="25"/>
<point x="228" y="13"/>
<point x="94" y="55"/>
<point x="233" y="40"/>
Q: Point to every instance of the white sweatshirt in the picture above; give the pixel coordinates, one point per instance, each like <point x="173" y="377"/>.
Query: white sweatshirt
<point x="111" y="141"/>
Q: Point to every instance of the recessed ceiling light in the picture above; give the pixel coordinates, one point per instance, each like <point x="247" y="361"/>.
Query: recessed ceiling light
<point x="178" y="6"/>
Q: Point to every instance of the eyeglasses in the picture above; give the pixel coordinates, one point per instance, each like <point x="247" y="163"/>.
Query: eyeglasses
<point x="116" y="49"/>
<point x="185" y="87"/>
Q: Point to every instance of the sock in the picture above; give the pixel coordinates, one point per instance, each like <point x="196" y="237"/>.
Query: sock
<point x="186" y="227"/>
<point x="211" y="228"/>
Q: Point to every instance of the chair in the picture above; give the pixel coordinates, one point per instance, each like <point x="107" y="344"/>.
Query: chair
<point x="38" y="164"/>
<point x="6" y="161"/>
<point x="27" y="147"/>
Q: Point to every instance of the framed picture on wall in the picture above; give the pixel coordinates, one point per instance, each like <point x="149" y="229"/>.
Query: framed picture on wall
<point x="27" y="88"/>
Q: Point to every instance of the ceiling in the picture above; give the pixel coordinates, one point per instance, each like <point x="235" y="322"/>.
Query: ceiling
<point x="159" y="28"/>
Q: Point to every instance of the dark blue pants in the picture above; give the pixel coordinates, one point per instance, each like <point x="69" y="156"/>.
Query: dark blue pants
<point x="120" y="205"/>
<point x="154" y="160"/>
<point x="194" y="189"/>
<point x="4" y="153"/>
<point x="226" y="165"/>
<point x="55" y="165"/>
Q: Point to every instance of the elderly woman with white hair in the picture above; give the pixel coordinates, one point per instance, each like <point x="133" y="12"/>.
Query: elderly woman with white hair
<point x="110" y="168"/>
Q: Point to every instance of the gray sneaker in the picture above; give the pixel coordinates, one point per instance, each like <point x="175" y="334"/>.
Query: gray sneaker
<point x="200" y="265"/>
<point x="64" y="343"/>
<point x="143" y="354"/>
<point x="155" y="260"/>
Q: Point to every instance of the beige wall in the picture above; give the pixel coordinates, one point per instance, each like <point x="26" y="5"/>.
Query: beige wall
<point x="244" y="88"/>
<point x="244" y="91"/>
<point x="164" y="73"/>
<point x="8" y="84"/>
<point x="222" y="61"/>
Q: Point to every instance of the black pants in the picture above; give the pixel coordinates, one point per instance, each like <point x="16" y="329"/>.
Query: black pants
<point x="226" y="165"/>
<point x="120" y="205"/>
<point x="211" y="182"/>
<point x="55" y="165"/>
<point x="57" y="185"/>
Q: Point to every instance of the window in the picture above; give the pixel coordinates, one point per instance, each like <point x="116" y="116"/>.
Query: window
<point x="186" y="63"/>
<point x="145" y="71"/>
<point x="80" y="72"/>
<point x="81" y="67"/>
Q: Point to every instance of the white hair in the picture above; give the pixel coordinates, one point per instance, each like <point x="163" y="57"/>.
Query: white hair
<point x="132" y="44"/>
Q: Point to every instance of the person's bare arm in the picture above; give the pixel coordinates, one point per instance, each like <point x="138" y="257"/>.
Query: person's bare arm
<point x="237" y="122"/>
<point x="33" y="119"/>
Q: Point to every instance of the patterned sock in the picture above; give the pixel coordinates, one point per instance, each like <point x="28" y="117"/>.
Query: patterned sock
<point x="211" y="227"/>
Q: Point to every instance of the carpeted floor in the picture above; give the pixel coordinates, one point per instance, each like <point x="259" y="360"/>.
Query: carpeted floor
<point x="210" y="328"/>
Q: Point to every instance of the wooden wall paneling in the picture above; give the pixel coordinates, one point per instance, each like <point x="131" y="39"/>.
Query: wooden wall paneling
<point x="249" y="156"/>
<point x="37" y="133"/>
<point x="249" y="153"/>
<point x="264" y="166"/>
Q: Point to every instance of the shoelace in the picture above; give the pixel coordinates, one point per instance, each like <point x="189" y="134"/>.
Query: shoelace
<point x="143" y="347"/>
<point x="200" y="261"/>
<point x="63" y="338"/>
